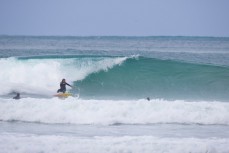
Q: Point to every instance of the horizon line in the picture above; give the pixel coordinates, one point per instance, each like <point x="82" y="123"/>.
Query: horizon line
<point x="25" y="35"/>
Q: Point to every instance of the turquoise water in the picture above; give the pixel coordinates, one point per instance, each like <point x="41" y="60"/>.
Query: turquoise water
<point x="144" y="77"/>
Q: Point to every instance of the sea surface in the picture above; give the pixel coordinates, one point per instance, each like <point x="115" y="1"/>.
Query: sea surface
<point x="186" y="81"/>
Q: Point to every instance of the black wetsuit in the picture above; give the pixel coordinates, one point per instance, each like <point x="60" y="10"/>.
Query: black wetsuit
<point x="17" y="96"/>
<point x="63" y="87"/>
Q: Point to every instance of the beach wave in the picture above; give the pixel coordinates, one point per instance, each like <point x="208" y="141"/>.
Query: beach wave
<point x="107" y="77"/>
<point x="110" y="112"/>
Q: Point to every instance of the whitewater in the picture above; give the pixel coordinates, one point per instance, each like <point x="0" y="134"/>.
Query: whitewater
<point x="185" y="79"/>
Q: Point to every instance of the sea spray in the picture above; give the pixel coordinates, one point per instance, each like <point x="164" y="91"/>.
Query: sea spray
<point x="42" y="76"/>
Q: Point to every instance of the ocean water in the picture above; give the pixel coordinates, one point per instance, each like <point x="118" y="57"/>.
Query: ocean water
<point x="186" y="79"/>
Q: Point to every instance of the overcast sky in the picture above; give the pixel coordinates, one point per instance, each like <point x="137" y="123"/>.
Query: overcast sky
<point x="115" y="17"/>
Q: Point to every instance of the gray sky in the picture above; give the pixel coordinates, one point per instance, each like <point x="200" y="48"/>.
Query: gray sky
<point x="115" y="17"/>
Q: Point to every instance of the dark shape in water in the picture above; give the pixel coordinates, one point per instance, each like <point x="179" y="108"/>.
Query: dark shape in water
<point x="17" y="96"/>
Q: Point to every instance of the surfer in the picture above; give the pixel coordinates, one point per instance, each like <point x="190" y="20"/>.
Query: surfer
<point x="17" y="96"/>
<point x="63" y="84"/>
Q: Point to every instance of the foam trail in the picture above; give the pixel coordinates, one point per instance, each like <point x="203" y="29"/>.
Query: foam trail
<point x="20" y="143"/>
<point x="42" y="76"/>
<point x="108" y="112"/>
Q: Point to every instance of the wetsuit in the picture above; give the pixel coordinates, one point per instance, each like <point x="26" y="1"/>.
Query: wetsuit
<point x="63" y="87"/>
<point x="17" y="96"/>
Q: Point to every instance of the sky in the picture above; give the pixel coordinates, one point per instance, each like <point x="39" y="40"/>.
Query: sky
<point x="115" y="17"/>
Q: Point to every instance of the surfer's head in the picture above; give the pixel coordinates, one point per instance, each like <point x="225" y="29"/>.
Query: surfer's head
<point x="63" y="80"/>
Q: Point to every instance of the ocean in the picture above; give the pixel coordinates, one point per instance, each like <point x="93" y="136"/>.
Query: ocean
<point x="186" y="81"/>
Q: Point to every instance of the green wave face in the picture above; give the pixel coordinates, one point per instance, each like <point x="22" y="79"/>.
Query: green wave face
<point x="144" y="77"/>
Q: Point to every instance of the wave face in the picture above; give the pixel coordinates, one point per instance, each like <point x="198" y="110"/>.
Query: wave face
<point x="107" y="77"/>
<point x="146" y="77"/>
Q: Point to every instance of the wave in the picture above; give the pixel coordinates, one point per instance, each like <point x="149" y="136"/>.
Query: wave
<point x="41" y="75"/>
<point x="20" y="143"/>
<point x="142" y="77"/>
<point x="113" y="77"/>
<point x="109" y="112"/>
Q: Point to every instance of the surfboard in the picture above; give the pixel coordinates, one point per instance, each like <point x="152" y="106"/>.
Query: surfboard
<point x="63" y="95"/>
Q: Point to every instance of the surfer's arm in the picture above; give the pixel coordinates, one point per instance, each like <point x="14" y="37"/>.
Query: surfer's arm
<point x="68" y="85"/>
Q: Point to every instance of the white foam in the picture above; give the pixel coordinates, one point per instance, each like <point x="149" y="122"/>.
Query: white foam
<point x="77" y="111"/>
<point x="21" y="143"/>
<point x="42" y="76"/>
